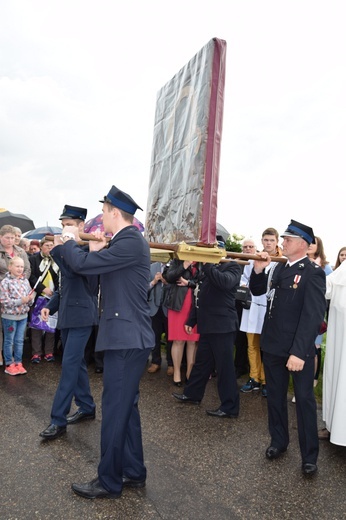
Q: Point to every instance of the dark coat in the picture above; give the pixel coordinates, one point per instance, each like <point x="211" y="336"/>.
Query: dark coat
<point x="35" y="261"/>
<point x="76" y="298"/>
<point x="293" y="318"/>
<point x="124" y="269"/>
<point x="214" y="310"/>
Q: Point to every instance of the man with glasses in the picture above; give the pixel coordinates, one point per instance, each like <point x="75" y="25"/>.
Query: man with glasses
<point x="252" y="319"/>
<point x="241" y="360"/>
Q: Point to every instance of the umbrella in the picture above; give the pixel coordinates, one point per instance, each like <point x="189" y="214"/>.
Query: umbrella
<point x="15" y="219"/>
<point x="96" y="223"/>
<point x="220" y="230"/>
<point x="41" y="232"/>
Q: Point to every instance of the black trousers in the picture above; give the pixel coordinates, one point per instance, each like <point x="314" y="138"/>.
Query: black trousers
<point x="241" y="360"/>
<point x="277" y="379"/>
<point x="159" y="323"/>
<point x="215" y="351"/>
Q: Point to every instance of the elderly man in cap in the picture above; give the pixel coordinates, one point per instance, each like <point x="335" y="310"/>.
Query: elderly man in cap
<point x="295" y="311"/>
<point x="76" y="303"/>
<point x="126" y="337"/>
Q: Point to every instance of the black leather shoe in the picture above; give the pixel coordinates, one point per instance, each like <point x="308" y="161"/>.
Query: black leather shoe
<point x="53" y="431"/>
<point x="274" y="453"/>
<point x="132" y="483"/>
<point x="93" y="489"/>
<point x="220" y="413"/>
<point x="184" y="399"/>
<point x="79" y="416"/>
<point x="308" y="468"/>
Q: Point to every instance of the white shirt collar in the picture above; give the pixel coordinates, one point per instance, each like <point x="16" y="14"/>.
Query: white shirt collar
<point x="292" y="263"/>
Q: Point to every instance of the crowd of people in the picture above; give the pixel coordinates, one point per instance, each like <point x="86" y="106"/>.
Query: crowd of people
<point x="294" y="291"/>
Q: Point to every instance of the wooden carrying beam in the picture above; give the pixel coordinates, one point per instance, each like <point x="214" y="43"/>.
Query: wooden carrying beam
<point x="165" y="252"/>
<point x="245" y="256"/>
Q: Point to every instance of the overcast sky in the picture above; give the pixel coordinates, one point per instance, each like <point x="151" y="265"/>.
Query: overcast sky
<point x="78" y="85"/>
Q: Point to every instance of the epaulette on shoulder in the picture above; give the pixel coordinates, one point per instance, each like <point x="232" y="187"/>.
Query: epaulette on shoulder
<point x="314" y="265"/>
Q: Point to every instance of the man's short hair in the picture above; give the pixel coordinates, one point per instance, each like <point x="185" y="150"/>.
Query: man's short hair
<point x="271" y="231"/>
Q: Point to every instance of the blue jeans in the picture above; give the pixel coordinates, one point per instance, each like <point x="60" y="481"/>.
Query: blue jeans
<point x="14" y="332"/>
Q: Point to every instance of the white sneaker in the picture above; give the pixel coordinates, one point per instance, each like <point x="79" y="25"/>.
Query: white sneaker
<point x="294" y="399"/>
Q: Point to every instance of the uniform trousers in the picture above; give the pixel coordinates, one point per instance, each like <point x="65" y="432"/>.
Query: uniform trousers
<point x="74" y="380"/>
<point x="121" y="436"/>
<point x="277" y="377"/>
<point x="215" y="351"/>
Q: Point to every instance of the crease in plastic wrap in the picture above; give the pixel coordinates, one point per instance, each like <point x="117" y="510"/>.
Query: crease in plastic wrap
<point x="184" y="175"/>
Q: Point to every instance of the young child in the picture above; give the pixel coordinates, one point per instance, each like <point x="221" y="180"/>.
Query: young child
<point x="15" y="298"/>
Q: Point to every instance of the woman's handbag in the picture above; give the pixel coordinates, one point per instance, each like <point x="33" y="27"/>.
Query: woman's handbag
<point x="36" y="322"/>
<point x="243" y="295"/>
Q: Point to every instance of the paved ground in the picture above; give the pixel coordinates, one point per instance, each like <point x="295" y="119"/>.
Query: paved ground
<point x="199" y="467"/>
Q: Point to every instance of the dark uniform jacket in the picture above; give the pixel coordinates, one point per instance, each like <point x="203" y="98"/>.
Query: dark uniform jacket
<point x="214" y="310"/>
<point x="76" y="298"/>
<point x="124" y="269"/>
<point x="296" y="310"/>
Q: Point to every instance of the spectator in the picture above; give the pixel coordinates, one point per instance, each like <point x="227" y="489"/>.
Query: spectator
<point x="182" y="276"/>
<point x="316" y="254"/>
<point x="17" y="236"/>
<point x="340" y="258"/>
<point x="241" y="360"/>
<point x="24" y="243"/>
<point x="252" y="319"/>
<point x="159" y="320"/>
<point x="16" y="297"/>
<point x="34" y="247"/>
<point x="45" y="279"/>
<point x="8" y="250"/>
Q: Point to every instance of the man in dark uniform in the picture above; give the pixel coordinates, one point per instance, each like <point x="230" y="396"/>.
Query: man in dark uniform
<point x="126" y="337"/>
<point x="217" y="323"/>
<point x="76" y="303"/>
<point x="295" y="311"/>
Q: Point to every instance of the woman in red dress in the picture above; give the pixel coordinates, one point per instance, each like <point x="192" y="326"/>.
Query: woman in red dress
<point x="183" y="276"/>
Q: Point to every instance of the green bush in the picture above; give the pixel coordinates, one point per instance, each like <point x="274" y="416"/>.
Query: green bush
<point x="233" y="243"/>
